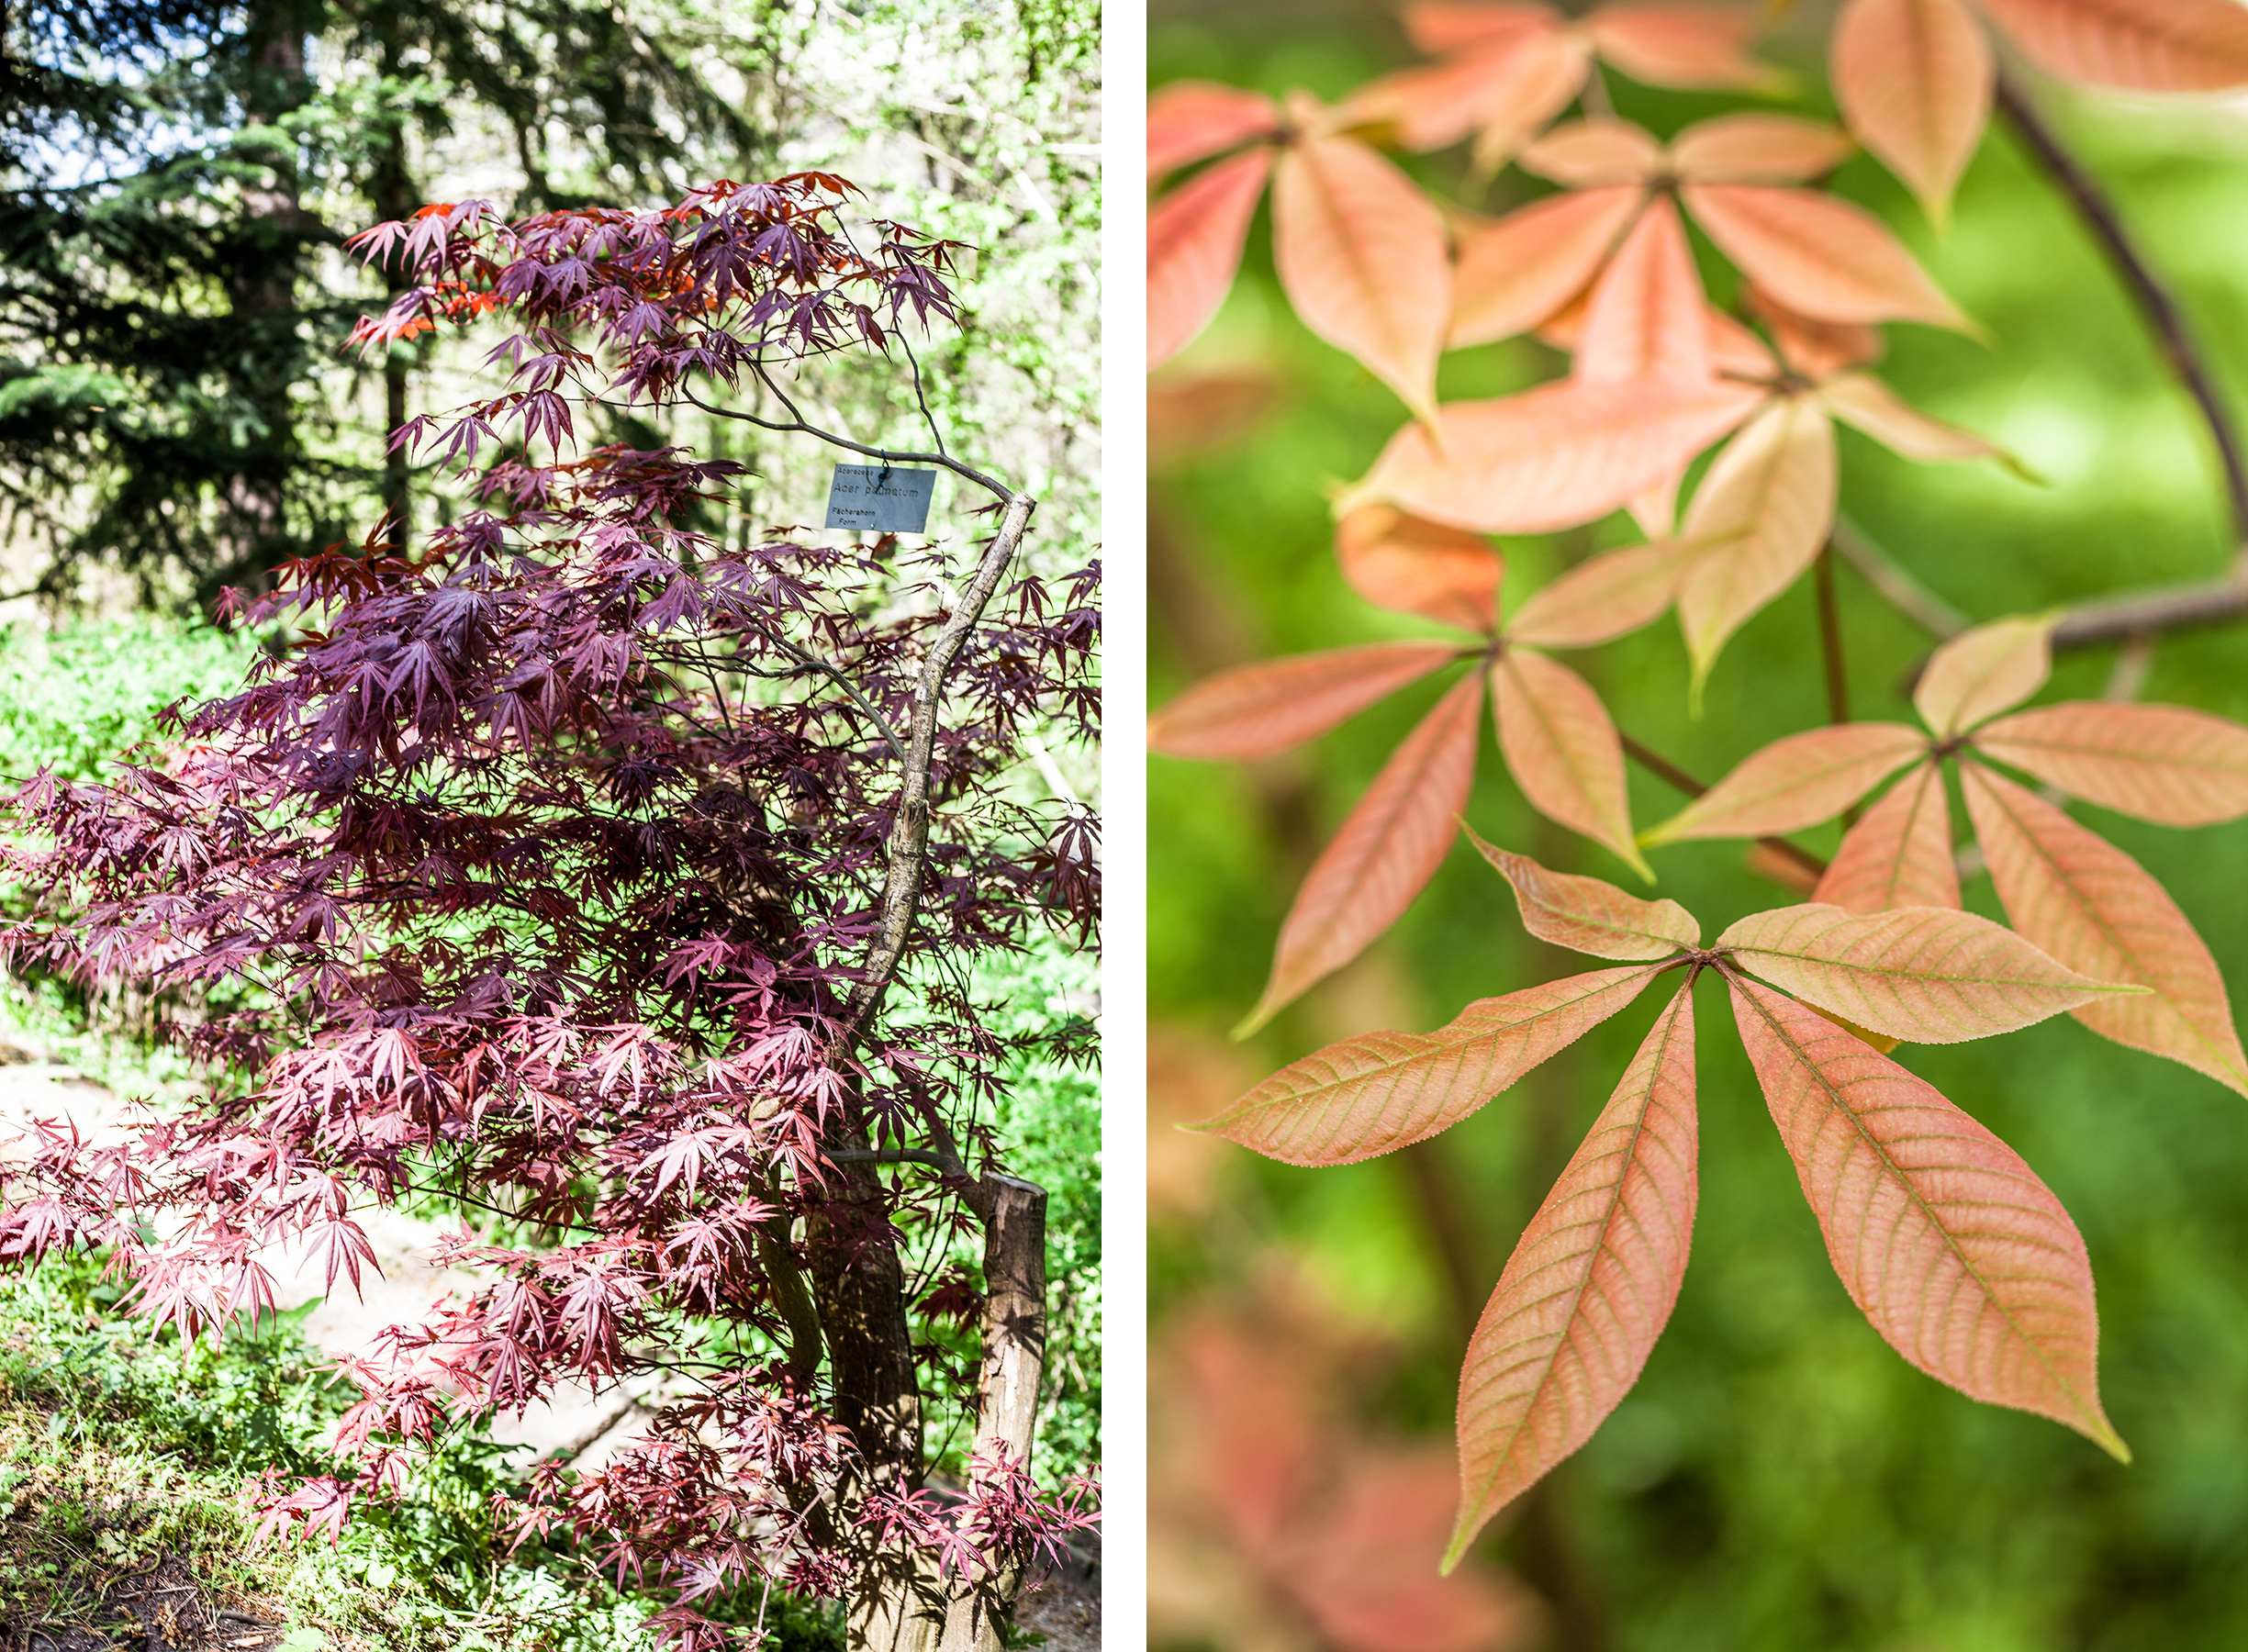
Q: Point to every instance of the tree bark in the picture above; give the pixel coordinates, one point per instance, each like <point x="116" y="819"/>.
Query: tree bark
<point x="1013" y="1214"/>
<point x="392" y="190"/>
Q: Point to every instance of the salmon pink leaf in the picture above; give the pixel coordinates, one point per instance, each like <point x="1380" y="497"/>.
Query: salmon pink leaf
<point x="1589" y="915"/>
<point x="1260" y="710"/>
<point x="1590" y="1286"/>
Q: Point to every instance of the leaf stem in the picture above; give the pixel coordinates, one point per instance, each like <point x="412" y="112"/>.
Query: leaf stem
<point x="1663" y="769"/>
<point x="2161" y="309"/>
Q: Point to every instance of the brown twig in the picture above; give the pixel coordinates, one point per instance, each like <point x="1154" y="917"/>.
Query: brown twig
<point x="1663" y="769"/>
<point x="907" y="847"/>
<point x="2161" y="309"/>
<point x="1907" y="595"/>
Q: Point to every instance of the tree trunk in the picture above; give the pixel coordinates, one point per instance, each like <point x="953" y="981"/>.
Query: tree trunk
<point x="392" y="191"/>
<point x="1013" y="1356"/>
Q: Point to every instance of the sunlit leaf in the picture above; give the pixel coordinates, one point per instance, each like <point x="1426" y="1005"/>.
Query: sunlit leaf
<point x="1194" y="240"/>
<point x="1796" y="782"/>
<point x="1515" y="272"/>
<point x="1383" y="1091"/>
<point x="1644" y="318"/>
<point x="1363" y="256"/>
<point x="1927" y="975"/>
<point x="1417" y="567"/>
<point x="1603" y="597"/>
<point x="1914" y="80"/>
<point x="1386" y="851"/>
<point x="2095" y="910"/>
<point x="1563" y="750"/>
<point x="1864" y="402"/>
<point x="1563" y="453"/>
<point x="1948" y="1244"/>
<point x="1590" y="1286"/>
<point x="1900" y="854"/>
<point x="1818" y="351"/>
<point x="1983" y="672"/>
<point x="1759" y="518"/>
<point x="1759" y="148"/>
<point x="2136" y="45"/>
<point x="1589" y="915"/>
<point x="1191" y="120"/>
<point x="2166" y="764"/>
<point x="1591" y="154"/>
<point x="1820" y="255"/>
<point x="1259" y="710"/>
<point x="1699" y="47"/>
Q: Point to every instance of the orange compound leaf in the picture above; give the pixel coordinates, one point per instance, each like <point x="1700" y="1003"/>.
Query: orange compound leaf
<point x="1589" y="915"/>
<point x="1914" y="80"/>
<point x="1388" y="849"/>
<point x="1195" y="241"/>
<point x="1816" y="349"/>
<point x="1821" y="257"/>
<point x="1517" y="272"/>
<point x="1736" y="351"/>
<point x="1900" y="854"/>
<point x="1796" y="782"/>
<point x="1437" y="27"/>
<point x="1759" y="148"/>
<point x="1396" y="561"/>
<point x="1552" y="457"/>
<point x="1364" y="258"/>
<point x="1273" y="706"/>
<point x="1951" y="1246"/>
<point x="1865" y="404"/>
<point x="1541" y="77"/>
<point x="1645" y="317"/>
<point x="1564" y="751"/>
<point x="1595" y="154"/>
<point x="1701" y="47"/>
<point x="1194" y="121"/>
<point x="1589" y="1288"/>
<point x="2165" y="764"/>
<point x="2132" y="45"/>
<point x="1381" y="1091"/>
<point x="1929" y="974"/>
<point x="1434" y="105"/>
<point x="1607" y="597"/>
<point x="1983" y="672"/>
<point x="1759" y="518"/>
<point x="2095" y="910"/>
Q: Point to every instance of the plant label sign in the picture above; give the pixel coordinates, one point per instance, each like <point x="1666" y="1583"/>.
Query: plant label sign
<point x="880" y="498"/>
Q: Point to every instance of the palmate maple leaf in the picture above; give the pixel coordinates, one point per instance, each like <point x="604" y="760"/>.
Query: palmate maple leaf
<point x="1556" y="737"/>
<point x="2077" y="896"/>
<point x="1957" y="1254"/>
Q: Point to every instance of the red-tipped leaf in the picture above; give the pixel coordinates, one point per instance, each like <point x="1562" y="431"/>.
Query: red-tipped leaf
<point x="1796" y="782"/>
<point x="1418" y="567"/>
<point x="1194" y="240"/>
<point x="1823" y="257"/>
<point x="1900" y="854"/>
<point x="1260" y="710"/>
<point x="2166" y="764"/>
<point x="1563" y="750"/>
<point x="1589" y="915"/>
<point x="1515" y="272"/>
<point x="1386" y="851"/>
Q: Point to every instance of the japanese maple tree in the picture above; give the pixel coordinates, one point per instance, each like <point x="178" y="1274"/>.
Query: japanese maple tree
<point x="1955" y="1251"/>
<point x="616" y="885"/>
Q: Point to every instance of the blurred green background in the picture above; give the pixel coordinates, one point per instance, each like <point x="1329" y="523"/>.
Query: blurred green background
<point x="1779" y="1479"/>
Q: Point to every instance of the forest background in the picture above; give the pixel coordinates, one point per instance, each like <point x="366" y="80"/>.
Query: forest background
<point x="177" y="414"/>
<point x="1777" y="1479"/>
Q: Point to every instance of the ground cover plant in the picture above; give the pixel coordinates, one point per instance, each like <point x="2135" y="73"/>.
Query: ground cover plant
<point x="619" y="886"/>
<point x="1943" y="1237"/>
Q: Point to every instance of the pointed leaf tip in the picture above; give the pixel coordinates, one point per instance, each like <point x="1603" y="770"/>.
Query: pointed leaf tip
<point x="1589" y="915"/>
<point x="1591" y="1284"/>
<point x="1951" y="1246"/>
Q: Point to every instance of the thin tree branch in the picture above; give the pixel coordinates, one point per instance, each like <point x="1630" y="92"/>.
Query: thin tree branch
<point x="2162" y="311"/>
<point x="1663" y="769"/>
<point x="888" y="456"/>
<point x="907" y="849"/>
<point x="2142" y="613"/>
<point x="1830" y="640"/>
<point x="1907" y="595"/>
